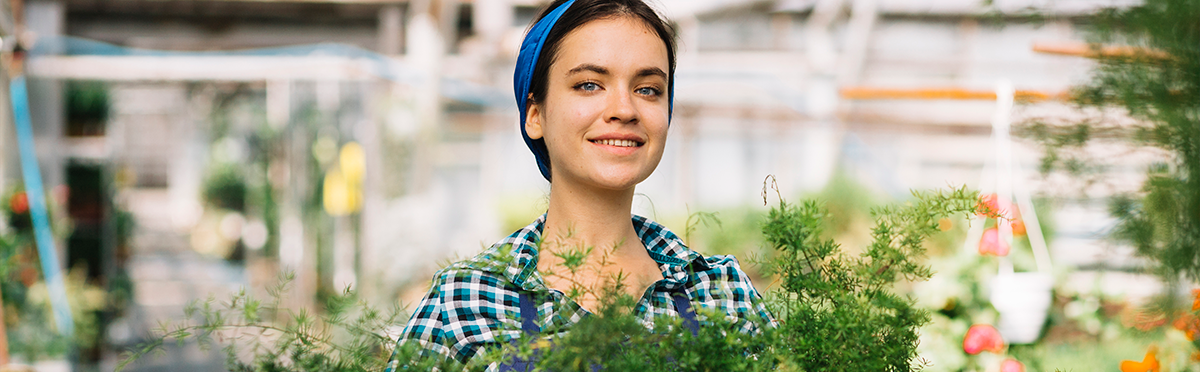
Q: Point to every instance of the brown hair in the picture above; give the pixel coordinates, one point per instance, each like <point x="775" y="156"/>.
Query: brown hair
<point x="584" y="11"/>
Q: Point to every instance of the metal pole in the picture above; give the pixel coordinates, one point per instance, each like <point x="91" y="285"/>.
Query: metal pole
<point x="35" y="192"/>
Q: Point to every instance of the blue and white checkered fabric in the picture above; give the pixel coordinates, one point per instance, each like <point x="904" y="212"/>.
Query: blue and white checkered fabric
<point x="475" y="303"/>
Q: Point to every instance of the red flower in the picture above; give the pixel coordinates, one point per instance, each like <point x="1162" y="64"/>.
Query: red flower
<point x="982" y="337"/>
<point x="1012" y="365"/>
<point x="19" y="203"/>
<point x="1195" y="299"/>
<point x="992" y="244"/>
<point x="991" y="206"/>
<point x="1188" y="324"/>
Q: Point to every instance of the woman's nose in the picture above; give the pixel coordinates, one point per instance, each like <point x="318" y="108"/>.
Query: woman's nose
<point x="620" y="107"/>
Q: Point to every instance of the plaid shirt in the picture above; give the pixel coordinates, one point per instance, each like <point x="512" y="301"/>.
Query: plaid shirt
<point x="474" y="303"/>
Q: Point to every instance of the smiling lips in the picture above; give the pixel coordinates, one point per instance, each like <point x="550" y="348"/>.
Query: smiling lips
<point x="617" y="142"/>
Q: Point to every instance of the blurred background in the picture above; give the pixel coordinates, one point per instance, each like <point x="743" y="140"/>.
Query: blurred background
<point x="192" y="148"/>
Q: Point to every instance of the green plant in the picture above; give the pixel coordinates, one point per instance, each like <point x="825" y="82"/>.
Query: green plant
<point x="1143" y="96"/>
<point x="225" y="187"/>
<point x="29" y="320"/>
<point x="262" y="336"/>
<point x="1155" y="82"/>
<point x="616" y="339"/>
<point x="28" y="317"/>
<point x="837" y="312"/>
<point x="88" y="106"/>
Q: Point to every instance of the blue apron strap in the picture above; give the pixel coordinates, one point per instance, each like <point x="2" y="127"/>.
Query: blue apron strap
<point x="684" y="307"/>
<point x="529" y="325"/>
<point x="529" y="315"/>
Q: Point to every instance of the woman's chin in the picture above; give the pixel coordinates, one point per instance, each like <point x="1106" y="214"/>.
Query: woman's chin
<point x="620" y="180"/>
<point x="611" y="181"/>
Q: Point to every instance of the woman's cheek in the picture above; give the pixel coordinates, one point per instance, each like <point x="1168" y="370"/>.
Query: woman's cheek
<point x="586" y="107"/>
<point x="580" y="113"/>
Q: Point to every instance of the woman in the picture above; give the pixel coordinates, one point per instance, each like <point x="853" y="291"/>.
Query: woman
<point x="594" y="81"/>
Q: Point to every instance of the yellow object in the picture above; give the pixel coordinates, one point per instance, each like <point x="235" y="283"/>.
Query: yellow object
<point x="343" y="183"/>
<point x="337" y="199"/>
<point x="353" y="162"/>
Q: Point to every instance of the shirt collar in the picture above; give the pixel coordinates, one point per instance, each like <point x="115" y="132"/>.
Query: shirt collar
<point x="664" y="247"/>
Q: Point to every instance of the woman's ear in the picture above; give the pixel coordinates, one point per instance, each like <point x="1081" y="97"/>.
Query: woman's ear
<point x="533" y="120"/>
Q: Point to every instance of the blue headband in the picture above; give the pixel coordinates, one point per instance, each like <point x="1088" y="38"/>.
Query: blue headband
<point x="531" y="48"/>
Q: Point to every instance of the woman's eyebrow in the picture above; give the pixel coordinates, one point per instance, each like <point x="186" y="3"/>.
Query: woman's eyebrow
<point x="588" y="67"/>
<point x="649" y="71"/>
<point x="652" y="71"/>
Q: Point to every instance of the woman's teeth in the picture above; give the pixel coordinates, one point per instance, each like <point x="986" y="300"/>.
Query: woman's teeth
<point x="617" y="142"/>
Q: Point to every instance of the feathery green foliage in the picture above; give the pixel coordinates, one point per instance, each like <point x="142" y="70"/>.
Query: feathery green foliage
<point x="837" y="312"/>
<point x="259" y="336"/>
<point x="840" y="313"/>
<point x="1157" y="84"/>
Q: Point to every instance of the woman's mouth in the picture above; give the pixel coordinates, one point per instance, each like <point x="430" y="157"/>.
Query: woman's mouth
<point x="617" y="142"/>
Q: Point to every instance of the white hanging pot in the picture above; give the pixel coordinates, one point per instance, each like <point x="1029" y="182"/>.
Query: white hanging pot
<point x="1023" y="300"/>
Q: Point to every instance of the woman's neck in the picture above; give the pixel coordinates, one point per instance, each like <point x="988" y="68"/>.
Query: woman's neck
<point x="597" y="224"/>
<point x="586" y="217"/>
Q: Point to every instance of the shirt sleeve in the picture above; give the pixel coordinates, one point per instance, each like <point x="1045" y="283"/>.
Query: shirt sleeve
<point x="764" y="317"/>
<point x="464" y="311"/>
<point x="425" y="328"/>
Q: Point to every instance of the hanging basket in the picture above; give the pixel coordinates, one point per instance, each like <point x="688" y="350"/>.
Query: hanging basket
<point x="1023" y="300"/>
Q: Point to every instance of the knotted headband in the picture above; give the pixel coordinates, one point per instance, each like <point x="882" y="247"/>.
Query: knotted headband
<point x="531" y="49"/>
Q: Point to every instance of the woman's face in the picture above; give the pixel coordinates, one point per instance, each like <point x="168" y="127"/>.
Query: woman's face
<point x="604" y="118"/>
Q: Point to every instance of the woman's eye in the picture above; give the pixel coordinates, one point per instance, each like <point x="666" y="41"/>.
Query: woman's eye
<point x="647" y="91"/>
<point x="588" y="87"/>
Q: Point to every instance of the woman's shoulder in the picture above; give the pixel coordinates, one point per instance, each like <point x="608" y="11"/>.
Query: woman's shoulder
<point x="493" y="266"/>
